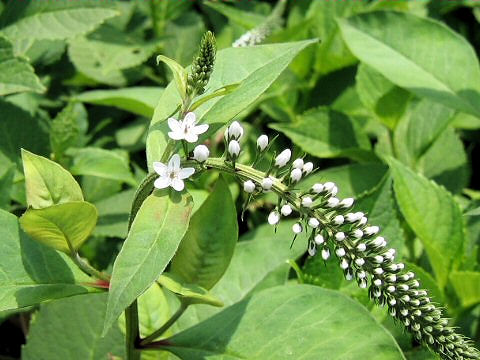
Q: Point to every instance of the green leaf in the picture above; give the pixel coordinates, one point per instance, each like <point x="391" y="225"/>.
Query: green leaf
<point x="189" y="293"/>
<point x="30" y="21"/>
<point x="433" y="215"/>
<point x="327" y="133"/>
<point x="156" y="232"/>
<point x="288" y="322"/>
<point x="467" y="286"/>
<point x="30" y="272"/>
<point x="256" y="68"/>
<point x="243" y="18"/>
<point x="139" y="100"/>
<point x="65" y="129"/>
<point x="79" y="320"/>
<point x="382" y="41"/>
<point x="207" y="248"/>
<point x="16" y="74"/>
<point x="48" y="183"/>
<point x="179" y="74"/>
<point x="61" y="226"/>
<point x="6" y="183"/>
<point x="102" y="163"/>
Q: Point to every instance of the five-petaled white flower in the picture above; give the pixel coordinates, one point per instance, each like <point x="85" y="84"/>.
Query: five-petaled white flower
<point x="171" y="174"/>
<point x="186" y="129"/>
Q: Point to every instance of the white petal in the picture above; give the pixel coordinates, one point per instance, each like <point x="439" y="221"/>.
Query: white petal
<point x="174" y="125"/>
<point x="176" y="135"/>
<point x="191" y="137"/>
<point x="190" y="119"/>
<point x="174" y="163"/>
<point x="160" y="168"/>
<point x="177" y="184"/>
<point x="185" y="173"/>
<point x="200" y="129"/>
<point x="162" y="182"/>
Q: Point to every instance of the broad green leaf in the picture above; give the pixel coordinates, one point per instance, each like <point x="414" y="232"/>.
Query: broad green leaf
<point x="102" y="163"/>
<point x="467" y="286"/>
<point x="30" y="21"/>
<point x="48" y="183"/>
<point x="6" y="182"/>
<point x="327" y="133"/>
<point x="288" y="322"/>
<point x="59" y="225"/>
<point x="207" y="248"/>
<point x="381" y="40"/>
<point x="30" y="272"/>
<point x="179" y="74"/>
<point x="243" y="18"/>
<point x="258" y="254"/>
<point x="113" y="213"/>
<point x="133" y="136"/>
<point x="156" y="232"/>
<point x="139" y="100"/>
<point x="256" y="68"/>
<point x="189" y="293"/>
<point x="79" y="320"/>
<point x="65" y="129"/>
<point x="352" y="180"/>
<point x="16" y="74"/>
<point x="434" y="216"/>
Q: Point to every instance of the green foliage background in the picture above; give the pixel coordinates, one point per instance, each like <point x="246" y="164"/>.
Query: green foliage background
<point x="386" y="104"/>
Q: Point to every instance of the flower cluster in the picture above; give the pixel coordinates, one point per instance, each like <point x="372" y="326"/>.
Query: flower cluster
<point x="202" y="65"/>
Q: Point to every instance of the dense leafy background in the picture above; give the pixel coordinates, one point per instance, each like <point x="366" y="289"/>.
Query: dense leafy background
<point x="387" y="105"/>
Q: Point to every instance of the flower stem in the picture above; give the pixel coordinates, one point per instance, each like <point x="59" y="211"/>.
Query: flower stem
<point x="166" y="326"/>
<point x="132" y="335"/>
<point x="87" y="268"/>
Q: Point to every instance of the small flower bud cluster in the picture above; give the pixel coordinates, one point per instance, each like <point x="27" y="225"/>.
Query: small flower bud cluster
<point x="233" y="135"/>
<point x="202" y="65"/>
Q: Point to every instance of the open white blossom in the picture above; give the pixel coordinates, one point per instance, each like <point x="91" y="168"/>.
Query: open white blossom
<point x="186" y="129"/>
<point x="171" y="174"/>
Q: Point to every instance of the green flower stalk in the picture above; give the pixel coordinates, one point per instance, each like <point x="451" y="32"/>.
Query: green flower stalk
<point x="202" y="66"/>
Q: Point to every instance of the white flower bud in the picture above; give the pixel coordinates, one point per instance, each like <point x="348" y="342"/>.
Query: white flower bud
<point x="262" y="142"/>
<point x="392" y="302"/>
<point x="361" y="247"/>
<point x="328" y="186"/>
<point x="378" y="271"/>
<point x="267" y="183"/>
<point x="401" y="266"/>
<point x="317" y="188"/>
<point x="312" y="222"/>
<point x="273" y="217"/>
<point x="362" y="274"/>
<point x="235" y="131"/>
<point x="319" y="239"/>
<point x="312" y="249"/>
<point x="334" y="191"/>
<point x="391" y="278"/>
<point x="332" y="202"/>
<point x="340" y="236"/>
<point x="352" y="217"/>
<point x="283" y="158"/>
<point x="325" y="254"/>
<point x="286" y="210"/>
<point x="348" y="276"/>
<point x="340" y="252"/>
<point x="377" y="282"/>
<point x="347" y="203"/>
<point x="378" y="259"/>
<point x="201" y="153"/>
<point x="296" y="175"/>
<point x="249" y="186"/>
<point x="344" y="264"/>
<point x="297" y="228"/>
<point x="391" y="289"/>
<point x="357" y="233"/>
<point x="338" y="220"/>
<point x="298" y="164"/>
<point x="308" y="167"/>
<point x="234" y="148"/>
<point x="360" y="261"/>
<point x="307" y="202"/>
<point x="363" y="220"/>
<point x="362" y="284"/>
<point x="371" y="230"/>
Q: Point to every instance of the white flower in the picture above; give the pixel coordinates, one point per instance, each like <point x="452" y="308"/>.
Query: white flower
<point x="273" y="217"/>
<point x="171" y="174"/>
<point x="328" y="186"/>
<point x="372" y="230"/>
<point x="360" y="261"/>
<point x="283" y="158"/>
<point x="235" y="131"/>
<point x="262" y="142"/>
<point x="319" y="239"/>
<point x="378" y="259"/>
<point x="363" y="220"/>
<point x="338" y="220"/>
<point x="340" y="252"/>
<point x="332" y="202"/>
<point x="312" y="222"/>
<point x="201" y="153"/>
<point x="296" y="175"/>
<point x="267" y="183"/>
<point x="357" y="233"/>
<point x="352" y="217"/>
<point x="334" y="191"/>
<point x="286" y="210"/>
<point x="307" y="202"/>
<point x="344" y="264"/>
<point x="312" y="249"/>
<point x="361" y="247"/>
<point x="297" y="228"/>
<point x="187" y="129"/>
<point x="308" y="167"/>
<point x="340" y="236"/>
<point x="317" y="188"/>
<point x="249" y="186"/>
<point x="325" y="254"/>
<point x="298" y="164"/>
<point x="234" y="148"/>
<point x="346" y="203"/>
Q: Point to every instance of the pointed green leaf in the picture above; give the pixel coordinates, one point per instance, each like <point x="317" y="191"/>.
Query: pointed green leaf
<point x="156" y="232"/>
<point x="207" y="247"/>
<point x="433" y="214"/>
<point x="179" y="74"/>
<point x="288" y="322"/>
<point x="467" y="286"/>
<point x="47" y="182"/>
<point x="30" y="272"/>
<point x="61" y="226"/>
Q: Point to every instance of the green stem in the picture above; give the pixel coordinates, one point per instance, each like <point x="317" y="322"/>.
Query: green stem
<point x="87" y="268"/>
<point x="166" y="326"/>
<point x="132" y="335"/>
